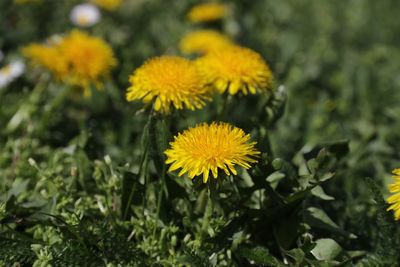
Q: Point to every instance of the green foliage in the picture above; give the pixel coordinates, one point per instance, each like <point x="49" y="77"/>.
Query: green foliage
<point x="83" y="180"/>
<point x="260" y="255"/>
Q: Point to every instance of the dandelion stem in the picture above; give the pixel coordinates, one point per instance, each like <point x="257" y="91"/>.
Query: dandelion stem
<point x="225" y="103"/>
<point x="143" y="163"/>
<point x="162" y="146"/>
<point x="160" y="196"/>
<point x="207" y="215"/>
<point x="267" y="144"/>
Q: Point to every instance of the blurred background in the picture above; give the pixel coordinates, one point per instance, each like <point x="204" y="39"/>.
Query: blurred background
<point x="339" y="62"/>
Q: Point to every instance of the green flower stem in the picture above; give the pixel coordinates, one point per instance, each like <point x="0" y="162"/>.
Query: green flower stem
<point x="201" y="202"/>
<point x="207" y="215"/>
<point x="269" y="146"/>
<point x="143" y="163"/>
<point x="160" y="196"/>
<point x="227" y="99"/>
<point x="161" y="146"/>
<point x="266" y="143"/>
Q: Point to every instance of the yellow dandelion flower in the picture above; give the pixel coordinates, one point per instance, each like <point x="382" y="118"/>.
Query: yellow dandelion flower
<point x="235" y="69"/>
<point x="203" y="42"/>
<point x="48" y="57"/>
<point x="205" y="148"/>
<point x="394" y="200"/>
<point x="77" y="59"/>
<point x="206" y="12"/>
<point x="109" y="5"/>
<point x="89" y="58"/>
<point x="169" y="81"/>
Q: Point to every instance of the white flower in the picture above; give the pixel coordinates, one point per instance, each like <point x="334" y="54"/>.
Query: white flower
<point x="85" y="15"/>
<point x="17" y="68"/>
<point x="11" y="72"/>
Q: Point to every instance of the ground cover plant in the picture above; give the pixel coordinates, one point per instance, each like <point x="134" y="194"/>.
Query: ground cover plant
<point x="193" y="133"/>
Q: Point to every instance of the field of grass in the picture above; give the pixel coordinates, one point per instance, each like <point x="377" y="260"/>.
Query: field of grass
<point x="83" y="174"/>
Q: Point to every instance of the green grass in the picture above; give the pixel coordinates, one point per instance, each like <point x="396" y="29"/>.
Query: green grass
<point x="80" y="179"/>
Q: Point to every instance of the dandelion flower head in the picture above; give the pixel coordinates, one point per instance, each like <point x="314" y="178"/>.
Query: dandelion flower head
<point x="90" y="58"/>
<point x="394" y="200"/>
<point x="47" y="57"/>
<point x="236" y="69"/>
<point x="207" y="148"/>
<point x="207" y="12"/>
<point x="169" y="81"/>
<point x="203" y="42"/>
<point x="77" y="59"/>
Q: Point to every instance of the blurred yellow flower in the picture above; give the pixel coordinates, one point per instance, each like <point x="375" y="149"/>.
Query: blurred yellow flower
<point x="89" y="58"/>
<point x="77" y="59"/>
<point x="109" y="5"/>
<point x="205" y="148"/>
<point x="169" y="81"/>
<point x="206" y="12"/>
<point x="235" y="69"/>
<point x="394" y="200"/>
<point x="203" y="41"/>
<point x="48" y="57"/>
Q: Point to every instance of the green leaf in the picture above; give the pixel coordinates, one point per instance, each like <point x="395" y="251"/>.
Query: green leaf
<point x="319" y="192"/>
<point x="316" y="217"/>
<point x="326" y="176"/>
<point x="275" y="178"/>
<point x="18" y="187"/>
<point x="320" y="218"/>
<point x="297" y="255"/>
<point x="259" y="255"/>
<point x="326" y="249"/>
